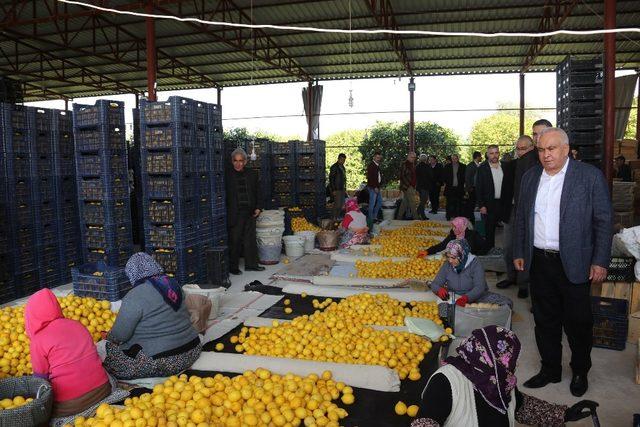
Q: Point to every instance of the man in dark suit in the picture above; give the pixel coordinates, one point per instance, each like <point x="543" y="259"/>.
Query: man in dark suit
<point x="374" y="182"/>
<point x="338" y="184"/>
<point x="453" y="177"/>
<point x="470" y="186"/>
<point x="243" y="207"/>
<point x="422" y="179"/>
<point x="494" y="192"/>
<point x="563" y="236"/>
<point x="434" y="177"/>
<point x="623" y="171"/>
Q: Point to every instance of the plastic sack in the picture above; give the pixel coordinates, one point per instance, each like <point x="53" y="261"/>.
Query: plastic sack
<point x="468" y="319"/>
<point x="214" y="295"/>
<point x="619" y="248"/>
<point x="199" y="307"/>
<point x="630" y="238"/>
<point x="424" y="327"/>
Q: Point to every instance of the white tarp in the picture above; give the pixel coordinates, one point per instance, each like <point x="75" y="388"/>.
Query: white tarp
<point x="401" y="294"/>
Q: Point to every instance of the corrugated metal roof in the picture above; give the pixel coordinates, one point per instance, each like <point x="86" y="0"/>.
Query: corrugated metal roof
<point x="60" y="50"/>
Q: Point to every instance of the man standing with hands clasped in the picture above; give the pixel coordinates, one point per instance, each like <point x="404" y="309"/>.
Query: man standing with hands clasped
<point x="563" y="235"/>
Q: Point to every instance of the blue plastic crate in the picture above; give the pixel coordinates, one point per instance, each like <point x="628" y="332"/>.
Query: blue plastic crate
<point x="7" y="290"/>
<point x="103" y="113"/>
<point x="282" y="173"/>
<point x="46" y="189"/>
<point x="283" y="161"/>
<point x="282" y="200"/>
<point x="167" y="162"/>
<point x="23" y="190"/>
<point x="65" y="165"/>
<point x="25" y="259"/>
<point x="200" y="110"/>
<point x="114" y="187"/>
<point x="100" y="140"/>
<point x="182" y="263"/>
<point x="26" y="283"/>
<point x="47" y="213"/>
<point x="169" y="236"/>
<point x="47" y="233"/>
<point x="610" y="322"/>
<point x="104" y="212"/>
<point x="175" y="211"/>
<point x="66" y="187"/>
<point x="17" y="141"/>
<point x="283" y="148"/>
<point x="175" y="110"/>
<point x="167" y="187"/>
<point x="116" y="257"/>
<point x="173" y="135"/>
<point x="310" y="147"/>
<point x="23" y="167"/>
<point x="311" y="186"/>
<point x="214" y="116"/>
<point x="92" y="165"/>
<point x="100" y="281"/>
<point x="108" y="235"/>
<point x="283" y="186"/>
<point x="64" y="145"/>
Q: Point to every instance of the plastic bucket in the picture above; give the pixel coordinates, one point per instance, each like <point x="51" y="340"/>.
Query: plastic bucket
<point x="269" y="236"/>
<point x="310" y="239"/>
<point x="294" y="246"/>
<point x="388" y="213"/>
<point x="269" y="254"/>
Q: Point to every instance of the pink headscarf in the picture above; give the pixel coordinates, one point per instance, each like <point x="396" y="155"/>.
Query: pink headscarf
<point x="459" y="225"/>
<point x="351" y="205"/>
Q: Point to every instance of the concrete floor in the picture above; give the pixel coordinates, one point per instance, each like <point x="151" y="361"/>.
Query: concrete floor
<point x="611" y="379"/>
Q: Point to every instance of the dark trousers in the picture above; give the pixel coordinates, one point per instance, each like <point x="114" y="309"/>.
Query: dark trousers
<point x="470" y="206"/>
<point x="491" y="219"/>
<point x="454" y="203"/>
<point x="557" y="304"/>
<point x="242" y="235"/>
<point x="424" y="196"/>
<point x="434" y="198"/>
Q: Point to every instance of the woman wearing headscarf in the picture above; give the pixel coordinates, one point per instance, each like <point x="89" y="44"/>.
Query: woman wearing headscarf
<point x="463" y="275"/>
<point x="354" y="224"/>
<point x="460" y="230"/>
<point x="152" y="335"/>
<point x="482" y="379"/>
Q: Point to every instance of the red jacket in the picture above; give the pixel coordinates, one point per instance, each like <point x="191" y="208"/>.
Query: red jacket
<point x="372" y="175"/>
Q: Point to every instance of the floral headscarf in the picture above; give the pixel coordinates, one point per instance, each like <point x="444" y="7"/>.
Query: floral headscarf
<point x="141" y="268"/>
<point x="488" y="359"/>
<point x="461" y="250"/>
<point x="459" y="225"/>
<point x="351" y="205"/>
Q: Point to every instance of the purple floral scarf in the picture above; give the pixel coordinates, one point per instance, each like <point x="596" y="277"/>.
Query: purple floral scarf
<point x="168" y="289"/>
<point x="488" y="359"/>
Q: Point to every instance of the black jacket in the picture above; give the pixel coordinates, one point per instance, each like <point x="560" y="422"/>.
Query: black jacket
<point x="434" y="176"/>
<point x="485" y="192"/>
<point x="423" y="176"/>
<point x="231" y="184"/>
<point x="523" y="164"/>
<point x="447" y="178"/>
<point x="470" y="176"/>
<point x="477" y="243"/>
<point x="624" y="173"/>
<point x="337" y="178"/>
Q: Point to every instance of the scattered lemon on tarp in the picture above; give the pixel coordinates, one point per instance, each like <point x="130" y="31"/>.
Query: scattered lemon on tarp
<point x="219" y="346"/>
<point x="412" y="410"/>
<point x="400" y="408"/>
<point x="288" y="310"/>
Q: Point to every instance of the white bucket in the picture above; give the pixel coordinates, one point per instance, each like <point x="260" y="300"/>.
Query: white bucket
<point x="388" y="213"/>
<point x="310" y="239"/>
<point x="269" y="236"/>
<point x="294" y="246"/>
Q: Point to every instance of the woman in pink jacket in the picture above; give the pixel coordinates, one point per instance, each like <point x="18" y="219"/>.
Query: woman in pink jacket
<point x="63" y="353"/>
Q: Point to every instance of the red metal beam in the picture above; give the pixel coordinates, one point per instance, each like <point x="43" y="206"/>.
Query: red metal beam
<point x="554" y="14"/>
<point x="412" y="138"/>
<point x="151" y="55"/>
<point x="521" y="81"/>
<point x="383" y="14"/>
<point x="609" y="89"/>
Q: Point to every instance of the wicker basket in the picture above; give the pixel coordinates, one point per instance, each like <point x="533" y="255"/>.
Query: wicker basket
<point x="34" y="413"/>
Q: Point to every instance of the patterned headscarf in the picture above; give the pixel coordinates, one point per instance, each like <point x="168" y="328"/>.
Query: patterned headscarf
<point x="351" y="205"/>
<point x="459" y="249"/>
<point x="488" y="359"/>
<point x="141" y="268"/>
<point x="459" y="225"/>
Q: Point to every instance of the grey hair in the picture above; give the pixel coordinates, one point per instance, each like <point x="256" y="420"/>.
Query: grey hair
<point x="423" y="157"/>
<point x="525" y="138"/>
<point x="239" y="152"/>
<point x="564" y="138"/>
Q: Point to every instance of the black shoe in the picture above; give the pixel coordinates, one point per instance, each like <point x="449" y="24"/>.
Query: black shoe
<point x="541" y="379"/>
<point x="579" y="384"/>
<point x="504" y="284"/>
<point x="256" y="268"/>
<point x="523" y="293"/>
<point x="235" y="271"/>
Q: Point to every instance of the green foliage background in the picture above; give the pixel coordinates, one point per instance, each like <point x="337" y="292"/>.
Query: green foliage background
<point x="633" y="121"/>
<point x="347" y="142"/>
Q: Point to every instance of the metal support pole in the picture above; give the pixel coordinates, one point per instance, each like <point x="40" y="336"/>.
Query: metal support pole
<point x="219" y="89"/>
<point x="521" y="104"/>
<point x="609" y="89"/>
<point x="310" y="111"/>
<point x="151" y="55"/>
<point x="66" y="104"/>
<point x="137" y="95"/>
<point x="638" y="109"/>
<point x="412" y="140"/>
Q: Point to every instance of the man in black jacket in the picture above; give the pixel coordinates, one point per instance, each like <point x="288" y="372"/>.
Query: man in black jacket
<point x="470" y="186"/>
<point x="243" y="207"/>
<point x="453" y="177"/>
<point x="494" y="191"/>
<point x="422" y="178"/>
<point x="338" y="184"/>
<point x="434" y="177"/>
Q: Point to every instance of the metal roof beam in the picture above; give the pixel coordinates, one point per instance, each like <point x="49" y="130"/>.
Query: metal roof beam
<point x="263" y="47"/>
<point x="382" y="12"/>
<point x="554" y="14"/>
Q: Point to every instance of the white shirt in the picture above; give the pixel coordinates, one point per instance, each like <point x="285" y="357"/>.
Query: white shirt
<point x="497" y="175"/>
<point x="379" y="175"/>
<point x="547" y="210"/>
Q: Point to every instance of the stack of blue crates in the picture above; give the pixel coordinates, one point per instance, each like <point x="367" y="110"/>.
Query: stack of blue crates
<point x="40" y="242"/>
<point x="217" y="191"/>
<point x="103" y="182"/>
<point x="7" y="284"/>
<point x="283" y="175"/>
<point x="177" y="185"/>
<point x="261" y="147"/>
<point x="310" y="185"/>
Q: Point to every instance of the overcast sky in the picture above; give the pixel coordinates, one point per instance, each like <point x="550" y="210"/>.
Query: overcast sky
<point x="373" y="99"/>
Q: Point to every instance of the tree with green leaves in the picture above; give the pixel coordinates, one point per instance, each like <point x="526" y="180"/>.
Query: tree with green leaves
<point x="633" y="120"/>
<point x="501" y="128"/>
<point x="392" y="140"/>
<point x="347" y="142"/>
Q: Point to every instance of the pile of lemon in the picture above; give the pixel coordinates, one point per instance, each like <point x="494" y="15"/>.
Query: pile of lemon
<point x="15" y="359"/>
<point x="341" y="334"/>
<point x="255" y="398"/>
<point x="16" y="402"/>
<point x="301" y="224"/>
<point x="422" y="228"/>
<point x="415" y="268"/>
<point x="401" y="246"/>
